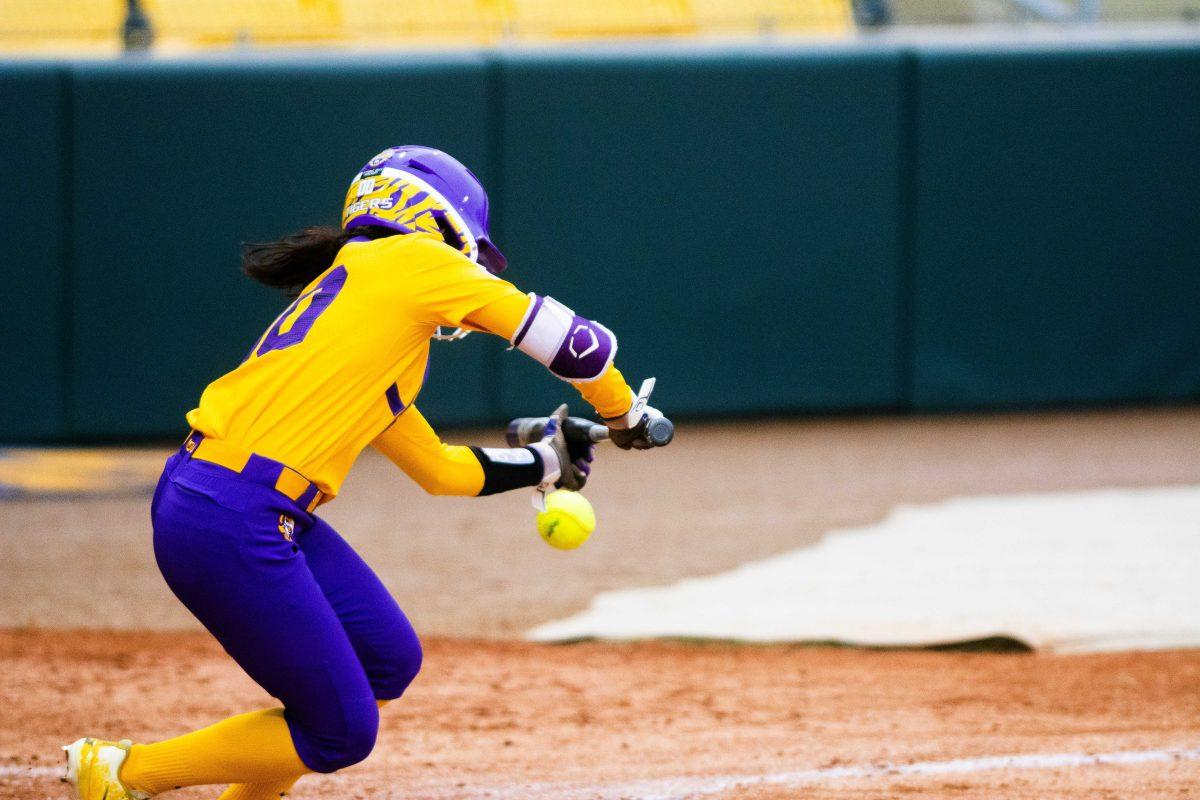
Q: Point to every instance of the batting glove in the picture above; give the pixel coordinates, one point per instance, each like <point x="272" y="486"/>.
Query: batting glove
<point x="629" y="431"/>
<point x="572" y="455"/>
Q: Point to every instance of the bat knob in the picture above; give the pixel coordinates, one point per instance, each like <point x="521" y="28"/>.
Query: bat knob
<point x="660" y="432"/>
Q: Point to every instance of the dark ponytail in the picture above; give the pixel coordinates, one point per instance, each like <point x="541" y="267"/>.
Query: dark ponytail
<point x="291" y="263"/>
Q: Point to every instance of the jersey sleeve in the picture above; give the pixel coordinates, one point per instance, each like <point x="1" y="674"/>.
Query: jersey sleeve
<point x="439" y="468"/>
<point x="446" y="469"/>
<point x="448" y="287"/>
<point x="610" y="395"/>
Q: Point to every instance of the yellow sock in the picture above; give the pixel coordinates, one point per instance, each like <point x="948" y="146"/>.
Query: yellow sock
<point x="258" y="791"/>
<point x="254" y="748"/>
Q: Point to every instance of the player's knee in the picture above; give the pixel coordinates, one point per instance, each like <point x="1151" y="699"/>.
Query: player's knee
<point x="359" y="742"/>
<point x="351" y="743"/>
<point x="403" y="662"/>
<point x="410" y="664"/>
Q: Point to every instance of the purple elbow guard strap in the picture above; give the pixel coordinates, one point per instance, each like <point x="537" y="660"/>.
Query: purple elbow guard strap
<point x="572" y="347"/>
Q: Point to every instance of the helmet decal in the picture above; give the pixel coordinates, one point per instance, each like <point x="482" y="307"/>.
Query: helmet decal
<point x="419" y="189"/>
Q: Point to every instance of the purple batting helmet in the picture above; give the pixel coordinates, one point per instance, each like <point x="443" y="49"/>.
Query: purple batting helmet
<point x="414" y="188"/>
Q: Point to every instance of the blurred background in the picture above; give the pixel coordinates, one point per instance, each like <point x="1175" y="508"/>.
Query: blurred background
<point x="105" y="26"/>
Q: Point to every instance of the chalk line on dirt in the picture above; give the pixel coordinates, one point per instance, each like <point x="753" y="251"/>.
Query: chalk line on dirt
<point x="687" y="787"/>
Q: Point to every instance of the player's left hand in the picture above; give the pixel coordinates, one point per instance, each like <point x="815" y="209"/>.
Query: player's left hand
<point x="635" y="436"/>
<point x="631" y="431"/>
<point x="641" y="427"/>
<point x="575" y="453"/>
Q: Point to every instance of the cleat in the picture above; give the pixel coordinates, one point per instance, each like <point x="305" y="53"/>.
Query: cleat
<point x="93" y="768"/>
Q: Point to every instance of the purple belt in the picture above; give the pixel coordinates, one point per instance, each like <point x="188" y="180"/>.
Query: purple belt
<point x="253" y="467"/>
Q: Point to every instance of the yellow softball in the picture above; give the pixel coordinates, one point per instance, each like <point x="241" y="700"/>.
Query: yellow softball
<point x="568" y="520"/>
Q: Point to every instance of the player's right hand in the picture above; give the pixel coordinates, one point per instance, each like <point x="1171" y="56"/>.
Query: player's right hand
<point x="574" y="453"/>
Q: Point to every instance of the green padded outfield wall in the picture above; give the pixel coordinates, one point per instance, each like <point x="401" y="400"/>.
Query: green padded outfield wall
<point x="768" y="230"/>
<point x="1058" y="226"/>
<point x="32" y="223"/>
<point x="733" y="216"/>
<point x="176" y="163"/>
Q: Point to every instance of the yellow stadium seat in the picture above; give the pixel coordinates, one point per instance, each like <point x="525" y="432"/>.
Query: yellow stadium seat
<point x="769" y="16"/>
<point x="219" y="22"/>
<point x="64" y="24"/>
<point x="572" y="19"/>
<point x="443" y="22"/>
<point x="80" y="25"/>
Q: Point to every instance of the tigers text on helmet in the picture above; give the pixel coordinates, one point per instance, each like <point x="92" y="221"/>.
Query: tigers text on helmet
<point x="414" y="188"/>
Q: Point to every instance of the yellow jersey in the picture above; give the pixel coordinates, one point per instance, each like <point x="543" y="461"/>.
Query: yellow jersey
<point x="348" y="357"/>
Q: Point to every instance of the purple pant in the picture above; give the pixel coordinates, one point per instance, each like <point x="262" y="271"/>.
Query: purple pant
<point x="301" y="613"/>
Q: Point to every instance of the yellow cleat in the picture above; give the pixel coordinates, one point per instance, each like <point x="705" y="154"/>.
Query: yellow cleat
<point x="93" y="768"/>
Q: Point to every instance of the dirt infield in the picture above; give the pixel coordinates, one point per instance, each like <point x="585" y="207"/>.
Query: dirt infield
<point x="499" y="720"/>
<point x="719" y="496"/>
<point x="505" y="720"/>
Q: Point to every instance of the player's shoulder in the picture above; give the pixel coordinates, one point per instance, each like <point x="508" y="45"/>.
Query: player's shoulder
<point x="412" y="262"/>
<point x="403" y="252"/>
<point x="395" y="264"/>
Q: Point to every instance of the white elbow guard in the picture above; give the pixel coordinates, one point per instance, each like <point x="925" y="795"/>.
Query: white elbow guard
<point x="572" y="347"/>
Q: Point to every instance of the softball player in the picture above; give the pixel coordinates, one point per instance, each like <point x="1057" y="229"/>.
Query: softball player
<point x="235" y="533"/>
